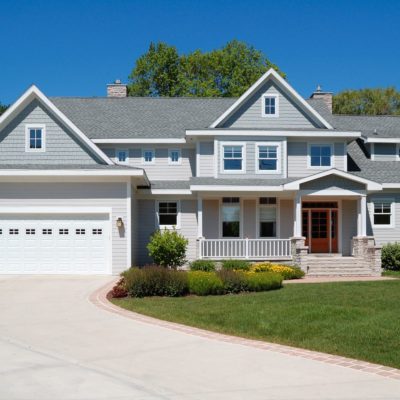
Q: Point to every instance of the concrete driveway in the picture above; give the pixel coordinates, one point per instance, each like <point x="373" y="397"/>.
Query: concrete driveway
<point x="55" y="344"/>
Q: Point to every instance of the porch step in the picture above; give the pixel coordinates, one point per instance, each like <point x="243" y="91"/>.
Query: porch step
<point x="336" y="265"/>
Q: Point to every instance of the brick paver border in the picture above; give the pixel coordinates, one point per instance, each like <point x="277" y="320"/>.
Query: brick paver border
<point x="101" y="296"/>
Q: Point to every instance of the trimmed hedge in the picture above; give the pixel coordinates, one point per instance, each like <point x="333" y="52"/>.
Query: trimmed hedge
<point x="202" y="265"/>
<point x="204" y="283"/>
<point x="236" y="265"/>
<point x="391" y="256"/>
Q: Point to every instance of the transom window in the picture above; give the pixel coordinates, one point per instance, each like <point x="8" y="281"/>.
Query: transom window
<point x="383" y="212"/>
<point x="267" y="213"/>
<point x="148" y="157"/>
<point x="230" y="217"/>
<point x="268" y="158"/>
<point x="35" y="138"/>
<point x="122" y="156"/>
<point x="168" y="213"/>
<point x="174" y="156"/>
<point x="233" y="158"/>
<point x="270" y="106"/>
<point x="320" y="155"/>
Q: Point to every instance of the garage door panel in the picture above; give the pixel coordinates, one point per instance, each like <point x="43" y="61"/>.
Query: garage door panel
<point x="54" y="244"/>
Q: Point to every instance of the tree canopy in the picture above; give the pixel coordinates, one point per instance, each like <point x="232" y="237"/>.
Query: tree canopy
<point x="225" y="72"/>
<point x="3" y="108"/>
<point x="381" y="101"/>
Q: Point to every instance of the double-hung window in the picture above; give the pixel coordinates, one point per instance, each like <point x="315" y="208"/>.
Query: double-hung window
<point x="383" y="213"/>
<point x="320" y="155"/>
<point x="230" y="217"/>
<point x="174" y="157"/>
<point x="268" y="158"/>
<point x="35" y="138"/>
<point x="168" y="214"/>
<point x="267" y="217"/>
<point x="270" y="105"/>
<point x="232" y="158"/>
<point x="122" y="156"/>
<point x="148" y="156"/>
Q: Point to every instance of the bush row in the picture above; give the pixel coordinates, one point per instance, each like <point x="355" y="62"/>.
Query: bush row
<point x="159" y="281"/>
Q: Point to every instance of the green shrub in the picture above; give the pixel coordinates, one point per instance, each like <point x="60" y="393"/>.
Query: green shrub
<point x="202" y="265"/>
<point x="167" y="248"/>
<point x="204" y="283"/>
<point x="239" y="265"/>
<point x="262" y="281"/>
<point x="234" y="281"/>
<point x="391" y="256"/>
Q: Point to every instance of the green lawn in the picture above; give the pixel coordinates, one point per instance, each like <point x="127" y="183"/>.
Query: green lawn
<point x="354" y="319"/>
<point x="392" y="274"/>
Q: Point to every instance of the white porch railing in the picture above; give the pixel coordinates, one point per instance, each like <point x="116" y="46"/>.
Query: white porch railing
<point x="253" y="249"/>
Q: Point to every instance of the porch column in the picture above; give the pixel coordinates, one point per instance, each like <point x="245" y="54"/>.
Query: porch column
<point x="297" y="216"/>
<point x="362" y="216"/>
<point x="199" y="217"/>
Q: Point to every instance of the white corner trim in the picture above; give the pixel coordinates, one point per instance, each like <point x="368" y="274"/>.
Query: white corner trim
<point x="28" y="127"/>
<point x="221" y="153"/>
<point x="278" y="162"/>
<point x="271" y="73"/>
<point x="270" y="96"/>
<point x="139" y="141"/>
<point x="319" y="167"/>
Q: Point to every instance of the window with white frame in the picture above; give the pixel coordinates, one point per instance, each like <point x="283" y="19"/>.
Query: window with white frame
<point x="232" y="158"/>
<point x="268" y="157"/>
<point x="174" y="156"/>
<point x="230" y="214"/>
<point x="148" y="156"/>
<point x="35" y="138"/>
<point x="270" y="105"/>
<point x="122" y="156"/>
<point x="168" y="214"/>
<point x="383" y="212"/>
<point x="267" y="217"/>
<point x="320" y="155"/>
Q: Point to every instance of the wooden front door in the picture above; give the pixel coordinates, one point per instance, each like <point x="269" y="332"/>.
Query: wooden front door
<point x="320" y="230"/>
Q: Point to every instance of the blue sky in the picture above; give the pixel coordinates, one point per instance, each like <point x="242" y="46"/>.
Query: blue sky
<point x="74" y="48"/>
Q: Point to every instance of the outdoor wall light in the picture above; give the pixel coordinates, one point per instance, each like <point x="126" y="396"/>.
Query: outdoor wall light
<point x="120" y="223"/>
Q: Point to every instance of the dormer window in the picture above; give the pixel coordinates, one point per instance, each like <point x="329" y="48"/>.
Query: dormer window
<point x="270" y="105"/>
<point x="35" y="138"/>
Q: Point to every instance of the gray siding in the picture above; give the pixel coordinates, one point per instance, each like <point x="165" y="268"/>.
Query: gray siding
<point x="85" y="194"/>
<point x="286" y="218"/>
<point x="206" y="159"/>
<point x="249" y="115"/>
<point x="332" y="182"/>
<point x="62" y="147"/>
<point x="298" y="155"/>
<point x="249" y="219"/>
<point x="349" y="224"/>
<point x="211" y="219"/>
<point x="189" y="226"/>
<point x="160" y="169"/>
<point x="385" y="152"/>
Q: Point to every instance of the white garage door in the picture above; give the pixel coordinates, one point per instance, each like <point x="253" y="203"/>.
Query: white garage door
<point x="54" y="244"/>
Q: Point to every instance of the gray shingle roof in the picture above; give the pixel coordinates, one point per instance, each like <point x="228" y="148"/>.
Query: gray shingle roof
<point x="141" y="117"/>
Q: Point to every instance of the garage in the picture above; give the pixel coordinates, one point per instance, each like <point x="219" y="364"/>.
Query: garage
<point x="54" y="244"/>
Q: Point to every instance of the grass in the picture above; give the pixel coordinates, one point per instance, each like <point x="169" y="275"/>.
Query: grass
<point x="355" y="319"/>
<point x="392" y="274"/>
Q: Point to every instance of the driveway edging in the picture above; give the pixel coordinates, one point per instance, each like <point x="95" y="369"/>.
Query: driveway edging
<point x="100" y="298"/>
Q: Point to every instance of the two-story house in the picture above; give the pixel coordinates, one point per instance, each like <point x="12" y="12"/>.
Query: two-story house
<point x="84" y="182"/>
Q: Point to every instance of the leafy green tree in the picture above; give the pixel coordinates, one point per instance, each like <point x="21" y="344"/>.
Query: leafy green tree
<point x="3" y="108"/>
<point x="226" y="72"/>
<point x="381" y="101"/>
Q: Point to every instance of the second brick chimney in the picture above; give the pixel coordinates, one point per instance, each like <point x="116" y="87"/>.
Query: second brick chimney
<point x="117" y="89"/>
<point x="325" y="96"/>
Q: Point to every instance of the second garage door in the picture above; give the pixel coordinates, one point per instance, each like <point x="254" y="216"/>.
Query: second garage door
<point x="54" y="244"/>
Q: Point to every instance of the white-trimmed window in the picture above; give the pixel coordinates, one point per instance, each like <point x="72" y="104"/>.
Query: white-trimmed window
<point x="268" y="160"/>
<point x="232" y="157"/>
<point x="168" y="214"/>
<point x="270" y="105"/>
<point x="122" y="156"/>
<point x="35" y="138"/>
<point x="230" y="215"/>
<point x="267" y="217"/>
<point x="383" y="213"/>
<point x="148" y="156"/>
<point x="320" y="156"/>
<point x="174" y="157"/>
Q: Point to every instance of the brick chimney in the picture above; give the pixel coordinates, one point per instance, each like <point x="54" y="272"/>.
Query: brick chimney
<point x="325" y="96"/>
<point x="117" y="89"/>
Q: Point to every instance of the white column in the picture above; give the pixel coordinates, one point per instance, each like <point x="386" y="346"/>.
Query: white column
<point x="297" y="216"/>
<point x="200" y="217"/>
<point x="362" y="216"/>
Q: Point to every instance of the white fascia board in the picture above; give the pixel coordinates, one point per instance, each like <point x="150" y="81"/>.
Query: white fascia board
<point x="249" y="132"/>
<point x="271" y="73"/>
<point x="62" y="172"/>
<point x="139" y="141"/>
<point x="55" y="210"/>
<point x="235" y="188"/>
<point x="380" y="140"/>
<point x="391" y="185"/>
<point x="171" y="191"/>
<point x="34" y="92"/>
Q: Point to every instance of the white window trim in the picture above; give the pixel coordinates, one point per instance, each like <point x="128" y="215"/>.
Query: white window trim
<point x="178" y="217"/>
<point x="27" y="138"/>
<point x="149" y="162"/>
<point x="170" y="162"/>
<point x="309" y="156"/>
<point x="237" y="171"/>
<point x="278" y="222"/>
<point x="390" y="200"/>
<point x="117" y="158"/>
<point x="279" y="158"/>
<point x="220" y="220"/>
<point x="270" y="96"/>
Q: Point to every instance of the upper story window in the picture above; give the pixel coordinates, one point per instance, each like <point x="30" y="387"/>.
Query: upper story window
<point x="270" y="105"/>
<point x="232" y="158"/>
<point x="174" y="157"/>
<point x="268" y="158"/>
<point x="320" y="155"/>
<point x="168" y="214"/>
<point x="122" y="156"/>
<point x="383" y="213"/>
<point x="35" y="138"/>
<point x="148" y="156"/>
